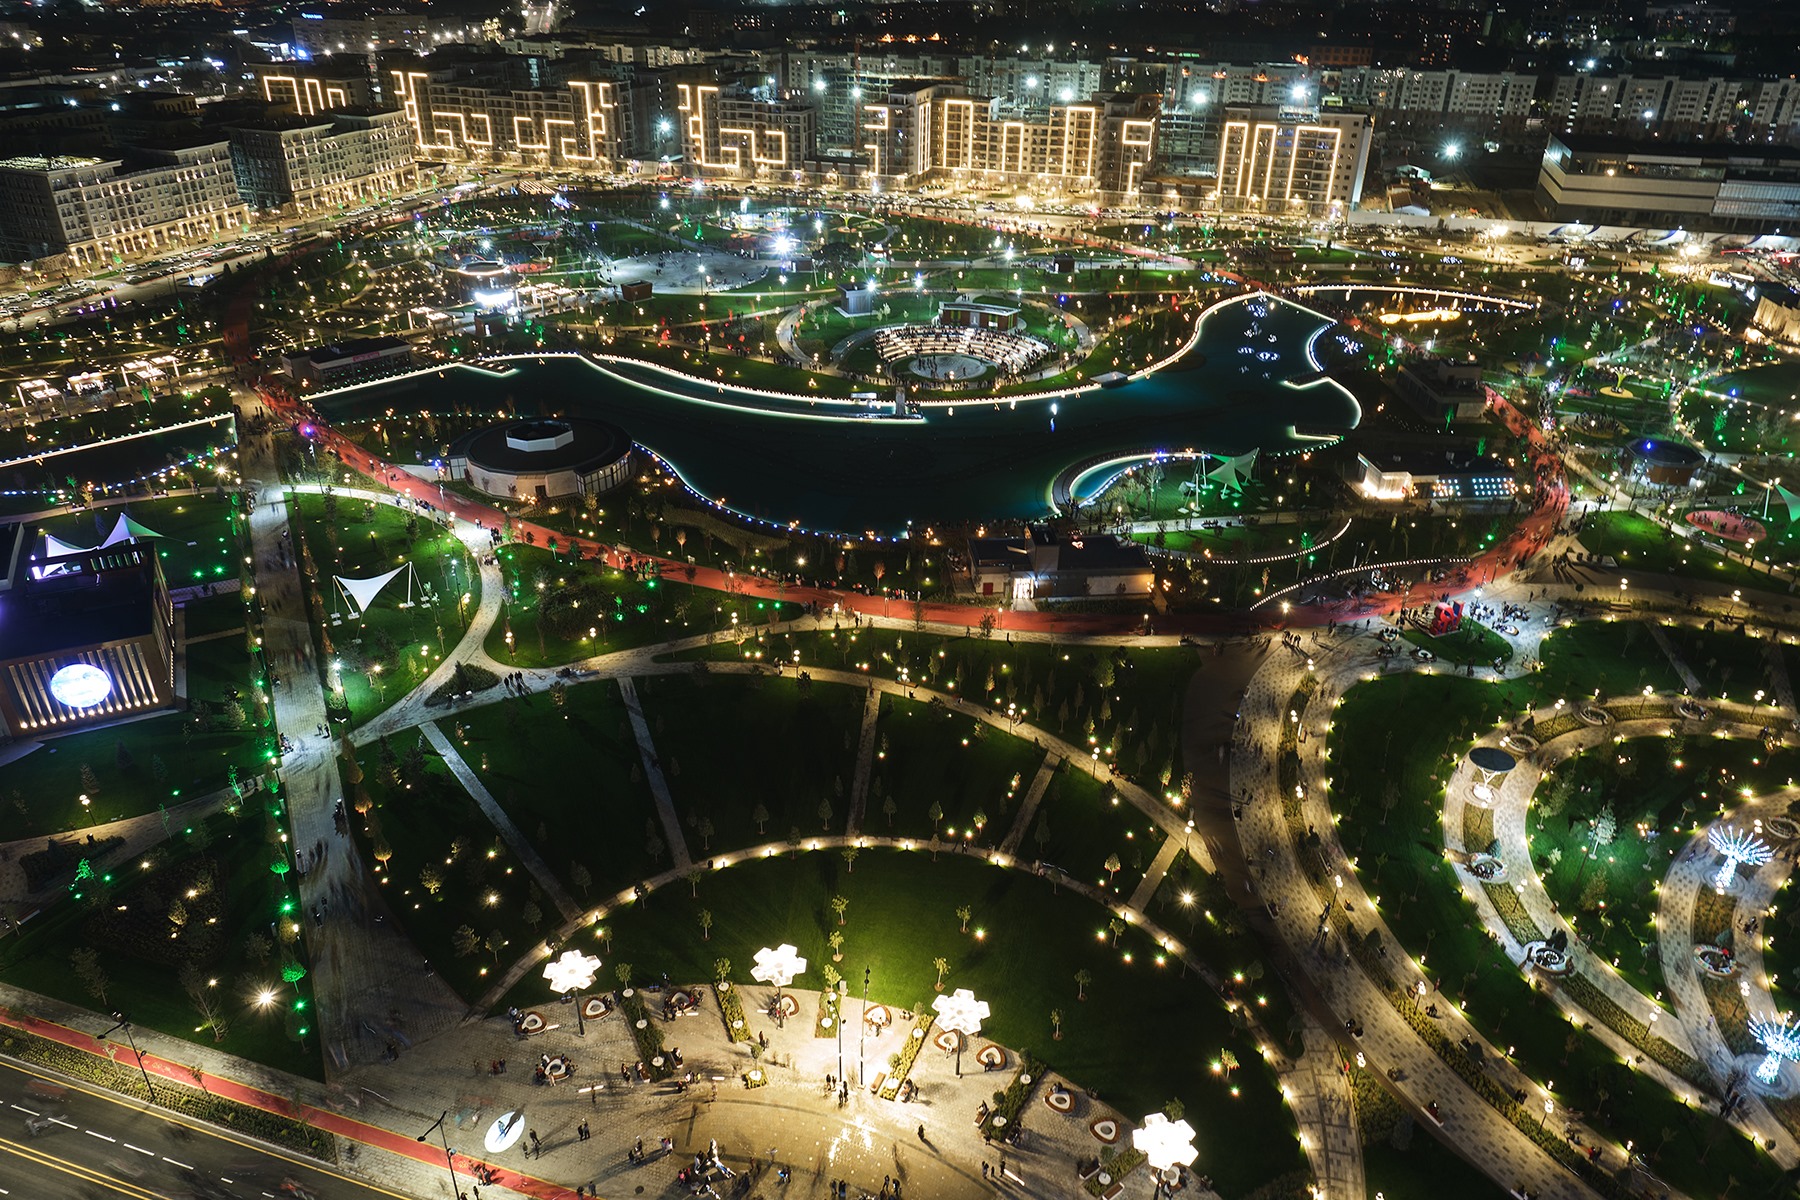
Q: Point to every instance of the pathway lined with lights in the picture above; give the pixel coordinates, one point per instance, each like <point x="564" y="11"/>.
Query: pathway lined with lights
<point x="865" y="762"/>
<point x="1692" y="871"/>
<point x="1034" y="795"/>
<point x="1481" y="1134"/>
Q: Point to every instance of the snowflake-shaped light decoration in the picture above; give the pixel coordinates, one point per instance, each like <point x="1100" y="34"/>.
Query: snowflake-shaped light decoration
<point x="961" y="1011"/>
<point x="1781" y="1038"/>
<point x="1737" y="846"/>
<point x="573" y="972"/>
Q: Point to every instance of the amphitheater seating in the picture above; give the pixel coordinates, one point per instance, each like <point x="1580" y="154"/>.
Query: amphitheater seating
<point x="1010" y="353"/>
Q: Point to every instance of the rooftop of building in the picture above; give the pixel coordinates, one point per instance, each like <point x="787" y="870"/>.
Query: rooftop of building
<point x="103" y="595"/>
<point x="358" y="346"/>
<point x="1440" y="463"/>
<point x="1584" y="143"/>
<point x="49" y="162"/>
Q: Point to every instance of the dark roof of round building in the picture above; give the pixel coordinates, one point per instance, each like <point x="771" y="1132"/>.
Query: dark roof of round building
<point x="1663" y="453"/>
<point x="533" y="444"/>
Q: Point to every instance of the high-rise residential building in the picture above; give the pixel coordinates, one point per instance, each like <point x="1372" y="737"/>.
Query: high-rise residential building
<point x="1616" y="181"/>
<point x="96" y="210"/>
<point x="309" y="89"/>
<point x="296" y="164"/>
<point x="739" y="132"/>
<point x="1283" y="161"/>
<point x="583" y="125"/>
<point x="317" y="35"/>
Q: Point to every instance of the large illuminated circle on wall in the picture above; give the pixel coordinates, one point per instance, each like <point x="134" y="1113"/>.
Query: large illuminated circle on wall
<point x="81" y="685"/>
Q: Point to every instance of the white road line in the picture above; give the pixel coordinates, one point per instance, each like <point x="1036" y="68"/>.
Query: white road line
<point x="101" y="1136"/>
<point x="29" y="1111"/>
<point x="63" y="1123"/>
<point x="139" y="1149"/>
<point x="173" y="1163"/>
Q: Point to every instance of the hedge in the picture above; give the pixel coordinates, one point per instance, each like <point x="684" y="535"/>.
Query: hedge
<point x="1117" y="1166"/>
<point x="731" y="1011"/>
<point x="1010" y="1103"/>
<point x="286" y="1132"/>
<point x="900" y="1063"/>
<point x="1602" y="1008"/>
<point x="647" y="1035"/>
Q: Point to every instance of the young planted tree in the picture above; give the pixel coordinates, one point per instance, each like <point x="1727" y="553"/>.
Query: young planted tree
<point x="850" y="853"/>
<point x="706" y="922"/>
<point x="840" y="905"/>
<point x="941" y="966"/>
<point x="964" y="914"/>
<point x="836" y="942"/>
<point x="1083" y="977"/>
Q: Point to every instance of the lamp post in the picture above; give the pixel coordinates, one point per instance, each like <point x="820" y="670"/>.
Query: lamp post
<point x="962" y="1014"/>
<point x="122" y="1023"/>
<point x="449" y="1159"/>
<point x="862" y="1028"/>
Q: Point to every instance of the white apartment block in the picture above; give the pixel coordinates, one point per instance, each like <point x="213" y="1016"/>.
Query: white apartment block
<point x="99" y="210"/>
<point x="1281" y="162"/>
<point x="727" y="131"/>
<point x="582" y="126"/>
<point x="298" y="164"/>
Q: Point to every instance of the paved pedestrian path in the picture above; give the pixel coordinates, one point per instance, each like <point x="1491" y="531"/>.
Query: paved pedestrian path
<point x="509" y="833"/>
<point x="1034" y="796"/>
<point x="653" y="772"/>
<point x="1689" y="680"/>
<point x="865" y="761"/>
<point x="1159" y="867"/>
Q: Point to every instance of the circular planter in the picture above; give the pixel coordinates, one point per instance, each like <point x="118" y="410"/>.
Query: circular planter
<point x="1594" y="716"/>
<point x="1524" y="743"/>
<point x="1062" y="1102"/>
<point x="1105" y="1130"/>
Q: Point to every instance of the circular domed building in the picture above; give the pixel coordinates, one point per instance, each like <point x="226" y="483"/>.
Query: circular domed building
<point x="1671" y="464"/>
<point x="543" y="457"/>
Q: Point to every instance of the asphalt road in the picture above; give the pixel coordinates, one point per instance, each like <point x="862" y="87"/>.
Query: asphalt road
<point x="101" y="1147"/>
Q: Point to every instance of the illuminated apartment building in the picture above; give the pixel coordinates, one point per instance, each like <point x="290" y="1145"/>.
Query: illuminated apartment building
<point x="297" y="164"/>
<point x="98" y="209"/>
<point x="735" y="132"/>
<point x="929" y="130"/>
<point x="580" y="126"/>
<point x="1277" y="160"/>
<point x="306" y="90"/>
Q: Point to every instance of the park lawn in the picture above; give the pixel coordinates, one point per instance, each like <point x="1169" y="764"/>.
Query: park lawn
<point x="927" y="756"/>
<point x="733" y="748"/>
<point x="1471" y="644"/>
<point x="42" y="788"/>
<point x="1234" y="541"/>
<point x="128" y="413"/>
<point x="1604" y="658"/>
<point x="1033" y="939"/>
<point x="418" y="817"/>
<point x="219" y="666"/>
<point x="389" y="649"/>
<point x="1637" y="543"/>
<point x="1425" y="1170"/>
<point x="199" y="542"/>
<point x="1400" y="854"/>
<point x="144" y="982"/>
<point x="214" y="614"/>
<point x="570" y="778"/>
<point x="1135" y="719"/>
<point x="1656" y="793"/>
<point x="1081" y="823"/>
<point x="595" y="609"/>
<point x="1777" y="384"/>
<point x="1731" y="664"/>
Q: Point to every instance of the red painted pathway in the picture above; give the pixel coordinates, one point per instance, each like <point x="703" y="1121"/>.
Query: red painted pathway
<point x="318" y="1118"/>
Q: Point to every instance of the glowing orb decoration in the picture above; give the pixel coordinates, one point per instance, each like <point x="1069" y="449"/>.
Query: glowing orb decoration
<point x="81" y="685"/>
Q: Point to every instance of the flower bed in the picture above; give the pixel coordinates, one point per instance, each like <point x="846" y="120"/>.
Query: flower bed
<point x="286" y="1132"/>
<point x="900" y="1063"/>
<point x="1115" y="1166"/>
<point x="731" y="1011"/>
<point x="645" y="1033"/>
<point x="1512" y="914"/>
<point x="1008" y="1104"/>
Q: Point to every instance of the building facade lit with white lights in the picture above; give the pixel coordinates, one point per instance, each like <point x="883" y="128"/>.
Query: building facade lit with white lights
<point x="1284" y="161"/>
<point x="741" y="133"/>
<point x="582" y="126"/>
<point x="298" y="164"/>
<point x="85" y="636"/>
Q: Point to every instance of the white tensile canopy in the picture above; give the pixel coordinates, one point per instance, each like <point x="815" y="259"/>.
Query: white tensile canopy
<point x="362" y="592"/>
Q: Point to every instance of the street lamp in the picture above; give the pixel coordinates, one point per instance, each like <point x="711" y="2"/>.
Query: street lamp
<point x="862" y="1028"/>
<point x="449" y="1159"/>
<point x="132" y="1041"/>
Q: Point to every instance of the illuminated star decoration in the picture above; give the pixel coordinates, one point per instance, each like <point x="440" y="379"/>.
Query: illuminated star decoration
<point x="572" y="972"/>
<point x="1737" y="846"/>
<point x="1165" y="1143"/>
<point x="778" y="966"/>
<point x="1780" y="1038"/>
<point x="961" y="1011"/>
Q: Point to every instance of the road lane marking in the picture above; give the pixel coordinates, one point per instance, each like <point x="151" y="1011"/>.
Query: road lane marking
<point x="139" y="1149"/>
<point x="101" y="1136"/>
<point x="172" y="1162"/>
<point x="63" y="1123"/>
<point x="21" y="1108"/>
